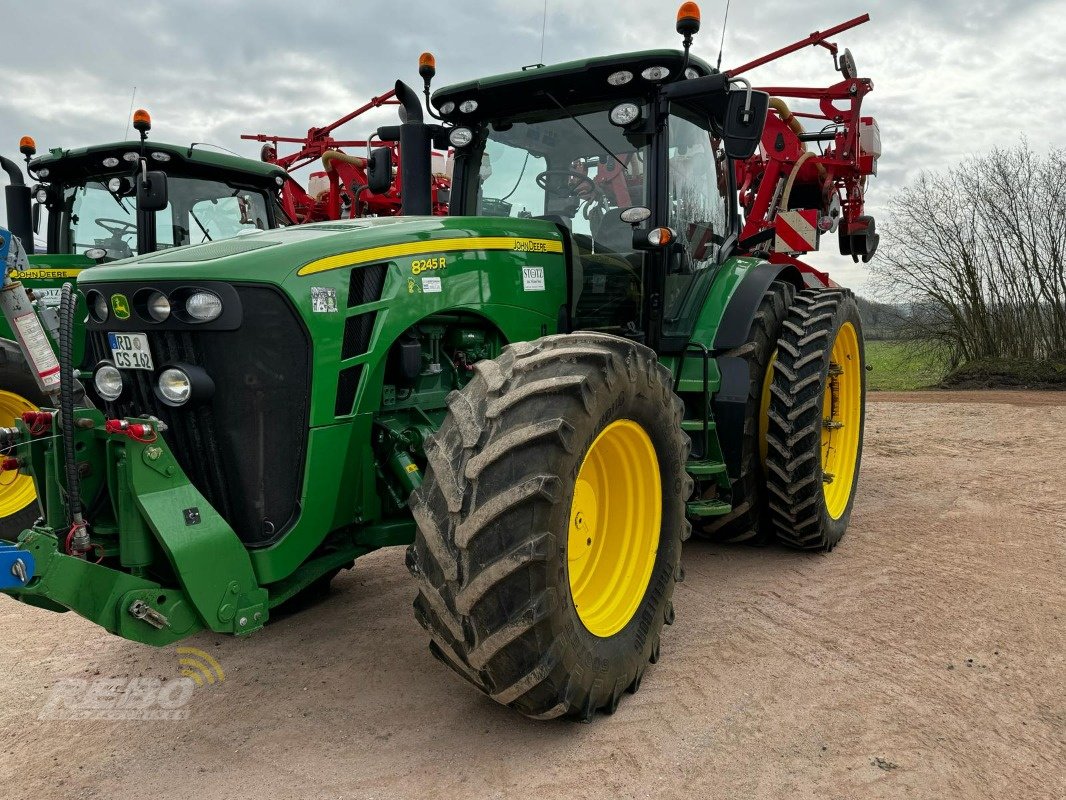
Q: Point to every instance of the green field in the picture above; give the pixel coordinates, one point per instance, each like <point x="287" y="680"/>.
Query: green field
<point x="902" y="366"/>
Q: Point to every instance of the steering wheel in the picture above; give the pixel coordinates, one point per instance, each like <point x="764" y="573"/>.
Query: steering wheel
<point x="118" y="227"/>
<point x="565" y="190"/>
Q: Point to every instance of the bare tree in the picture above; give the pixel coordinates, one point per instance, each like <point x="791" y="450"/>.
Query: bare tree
<point x="980" y="254"/>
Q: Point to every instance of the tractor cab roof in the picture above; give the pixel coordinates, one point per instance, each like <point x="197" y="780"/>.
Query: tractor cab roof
<point x="571" y="83"/>
<point x="79" y="163"/>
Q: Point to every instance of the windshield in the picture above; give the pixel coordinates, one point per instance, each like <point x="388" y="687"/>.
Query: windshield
<point x="579" y="174"/>
<point x="198" y="210"/>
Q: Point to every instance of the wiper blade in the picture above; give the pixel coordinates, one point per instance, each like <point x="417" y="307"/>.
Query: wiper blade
<point x="200" y="225"/>
<point x="593" y="136"/>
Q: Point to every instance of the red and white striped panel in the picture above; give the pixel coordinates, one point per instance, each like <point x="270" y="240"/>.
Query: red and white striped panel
<point x="796" y="231"/>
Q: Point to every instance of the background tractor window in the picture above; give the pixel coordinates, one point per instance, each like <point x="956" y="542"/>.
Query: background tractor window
<point x="97" y="218"/>
<point x="206" y="211"/>
<point x="551" y="168"/>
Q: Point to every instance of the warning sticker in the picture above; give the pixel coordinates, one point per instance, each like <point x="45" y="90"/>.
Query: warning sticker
<point x="431" y="285"/>
<point x="533" y="279"/>
<point x="29" y="330"/>
<point x="323" y="300"/>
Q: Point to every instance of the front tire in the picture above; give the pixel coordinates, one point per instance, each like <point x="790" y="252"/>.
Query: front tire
<point x="550" y="524"/>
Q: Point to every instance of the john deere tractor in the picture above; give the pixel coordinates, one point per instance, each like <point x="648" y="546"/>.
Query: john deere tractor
<point x="108" y="202"/>
<point x="541" y="394"/>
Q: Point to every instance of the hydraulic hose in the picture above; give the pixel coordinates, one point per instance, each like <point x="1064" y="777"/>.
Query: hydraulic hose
<point x="79" y="539"/>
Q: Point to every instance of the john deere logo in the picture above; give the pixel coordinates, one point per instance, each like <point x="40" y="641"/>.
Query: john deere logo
<point x="121" y="306"/>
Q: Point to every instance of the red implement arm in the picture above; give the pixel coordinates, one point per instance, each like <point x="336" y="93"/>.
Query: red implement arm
<point x="346" y="195"/>
<point x="806" y="181"/>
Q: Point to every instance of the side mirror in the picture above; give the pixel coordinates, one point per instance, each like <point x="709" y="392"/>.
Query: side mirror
<point x="152" y="191"/>
<point x="379" y="170"/>
<point x="745" y="118"/>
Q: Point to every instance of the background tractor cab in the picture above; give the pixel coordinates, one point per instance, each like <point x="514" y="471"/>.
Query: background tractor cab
<point x="92" y="205"/>
<point x="630" y="155"/>
<point x="129" y="198"/>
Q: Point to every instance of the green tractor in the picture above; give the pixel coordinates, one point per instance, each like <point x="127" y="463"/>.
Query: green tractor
<point x="95" y="215"/>
<point x="541" y="394"/>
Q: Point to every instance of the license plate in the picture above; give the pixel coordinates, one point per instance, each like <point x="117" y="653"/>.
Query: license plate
<point x="130" y="350"/>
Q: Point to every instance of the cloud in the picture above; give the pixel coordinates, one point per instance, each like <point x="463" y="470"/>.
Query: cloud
<point x="952" y="78"/>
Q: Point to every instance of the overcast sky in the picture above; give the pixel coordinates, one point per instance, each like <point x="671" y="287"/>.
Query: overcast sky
<point x="951" y="77"/>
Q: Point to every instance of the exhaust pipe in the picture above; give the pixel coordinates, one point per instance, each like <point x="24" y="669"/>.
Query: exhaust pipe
<point x="416" y="157"/>
<point x="17" y="196"/>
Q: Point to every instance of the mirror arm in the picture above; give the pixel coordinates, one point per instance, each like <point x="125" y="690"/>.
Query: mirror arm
<point x="746" y="114"/>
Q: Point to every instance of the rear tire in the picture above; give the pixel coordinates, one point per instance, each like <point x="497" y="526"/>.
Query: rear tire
<point x="746" y="522"/>
<point x="816" y="420"/>
<point x="495" y="554"/>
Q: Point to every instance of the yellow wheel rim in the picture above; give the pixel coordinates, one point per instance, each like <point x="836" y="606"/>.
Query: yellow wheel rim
<point x="614" y="527"/>
<point x="841" y="421"/>
<point x="16" y="490"/>
<point x="764" y="407"/>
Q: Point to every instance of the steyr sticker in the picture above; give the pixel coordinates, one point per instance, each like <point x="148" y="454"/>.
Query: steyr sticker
<point x="431" y="285"/>
<point x="533" y="279"/>
<point x="323" y="300"/>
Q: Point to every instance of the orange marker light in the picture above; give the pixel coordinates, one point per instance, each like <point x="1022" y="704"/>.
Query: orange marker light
<point x="427" y="65"/>
<point x="660" y="236"/>
<point x="688" y="19"/>
<point x="27" y="146"/>
<point x="142" y="120"/>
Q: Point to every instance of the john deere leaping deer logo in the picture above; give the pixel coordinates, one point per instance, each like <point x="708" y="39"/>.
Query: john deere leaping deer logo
<point x="200" y="667"/>
<point x="121" y="306"/>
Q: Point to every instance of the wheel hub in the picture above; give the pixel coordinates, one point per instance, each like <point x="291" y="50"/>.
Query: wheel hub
<point x="614" y="526"/>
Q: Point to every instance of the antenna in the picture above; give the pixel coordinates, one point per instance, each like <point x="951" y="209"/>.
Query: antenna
<point x="543" y="28"/>
<point x="721" y="47"/>
<point x="129" y="115"/>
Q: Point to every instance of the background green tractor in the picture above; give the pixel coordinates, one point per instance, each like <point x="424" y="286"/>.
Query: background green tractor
<point x="540" y="393"/>
<point x="93" y="214"/>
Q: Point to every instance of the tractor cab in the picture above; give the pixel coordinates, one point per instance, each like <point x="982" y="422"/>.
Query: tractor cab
<point x="629" y="156"/>
<point x="91" y="196"/>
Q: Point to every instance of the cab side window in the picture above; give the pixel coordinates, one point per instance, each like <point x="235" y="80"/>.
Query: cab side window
<point x="697" y="191"/>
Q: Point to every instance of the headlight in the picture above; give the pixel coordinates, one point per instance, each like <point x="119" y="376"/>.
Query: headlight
<point x="625" y="114"/>
<point x="179" y="384"/>
<point x="160" y="156"/>
<point x="158" y="307"/>
<point x="97" y="253"/>
<point x="110" y="162"/>
<point x="114" y="185"/>
<point x="468" y="106"/>
<point x="175" y="387"/>
<point x="98" y="305"/>
<point x="620" y="78"/>
<point x="447" y="108"/>
<point x="41" y="195"/>
<point x="691" y="73"/>
<point x="107" y="381"/>
<point x="131" y="157"/>
<point x="42" y="173"/>
<point x="203" y="307"/>
<point x="655" y="73"/>
<point x="461" y="137"/>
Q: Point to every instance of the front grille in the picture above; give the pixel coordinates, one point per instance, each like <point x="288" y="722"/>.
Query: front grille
<point x="243" y="449"/>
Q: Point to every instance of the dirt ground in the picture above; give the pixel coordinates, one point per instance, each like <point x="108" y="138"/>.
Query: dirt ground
<point x="921" y="659"/>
